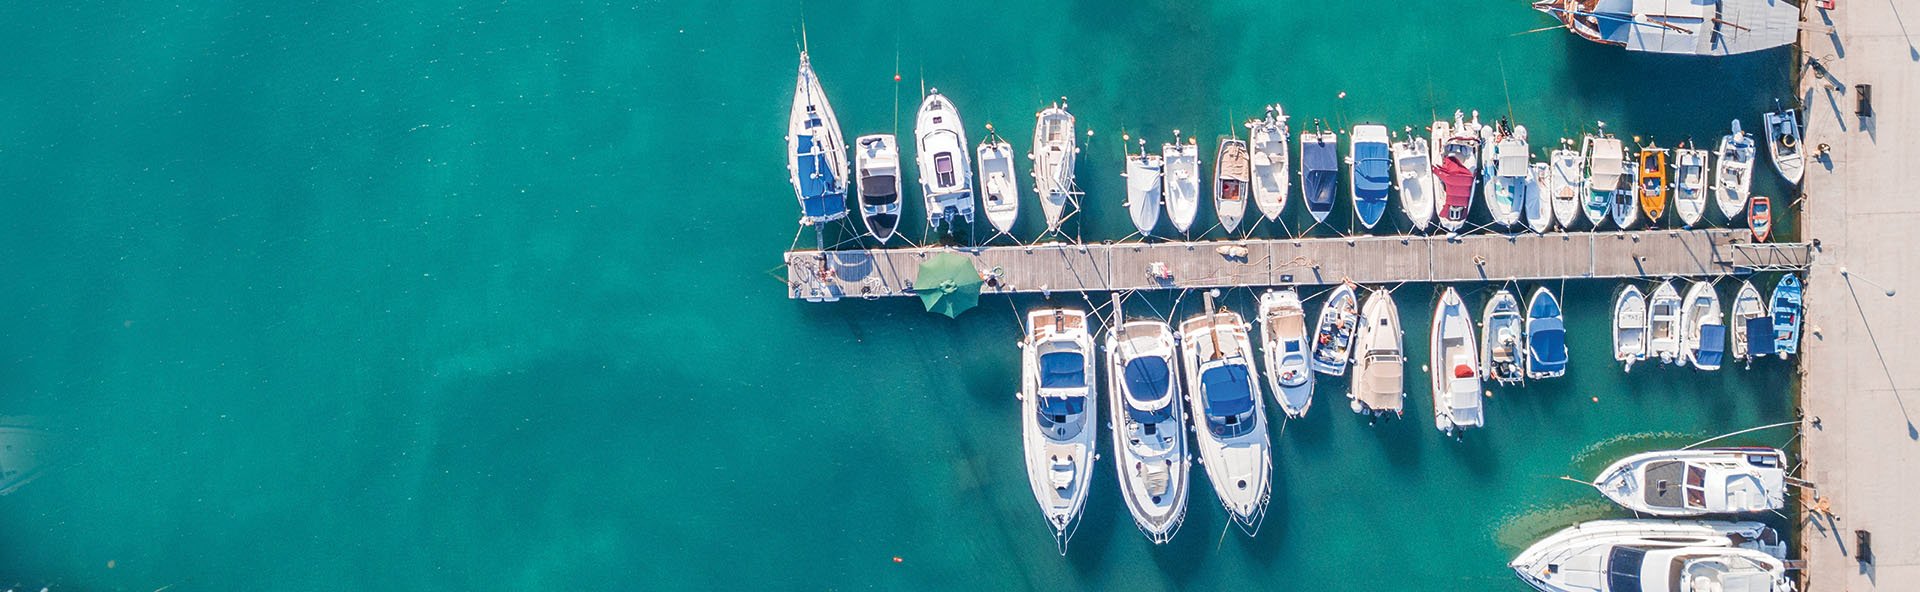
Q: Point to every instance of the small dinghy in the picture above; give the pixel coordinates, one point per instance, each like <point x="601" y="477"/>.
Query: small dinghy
<point x="1319" y="170"/>
<point x="1333" y="333"/>
<point x="1453" y="363"/>
<point x="1566" y="185"/>
<point x="1752" y="326"/>
<point x="1786" y="316"/>
<point x="1143" y="189"/>
<point x="1368" y="163"/>
<point x="879" y="164"/>
<point x="941" y="151"/>
<point x="1267" y="141"/>
<point x="1504" y="166"/>
<point x="1760" y="218"/>
<point x="1181" y="182"/>
<point x="1629" y="326"/>
<point x="1663" y="323"/>
<point x="1606" y="166"/>
<point x="1413" y="176"/>
<point x="1054" y="154"/>
<point x="1626" y="205"/>
<point x="999" y="194"/>
<point x="1697" y="482"/>
<point x="1379" y="364"/>
<point x="1457" y="146"/>
<point x="1534" y="208"/>
<point x="1690" y="184"/>
<point x="1503" y="333"/>
<point x="1657" y="556"/>
<point x="816" y="152"/>
<point x="1733" y="177"/>
<point x="1230" y="183"/>
<point x="1546" y="336"/>
<point x="1653" y="183"/>
<point x="1283" y="340"/>
<point x="1783" y="140"/>
<point x="1149" y="426"/>
<point x="1058" y="419"/>
<point x="1703" y="329"/>
<point x="1230" y="425"/>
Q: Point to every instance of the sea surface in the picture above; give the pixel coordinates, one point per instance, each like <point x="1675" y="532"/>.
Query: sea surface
<point x="485" y="296"/>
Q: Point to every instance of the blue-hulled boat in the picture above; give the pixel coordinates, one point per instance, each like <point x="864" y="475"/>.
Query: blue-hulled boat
<point x="1319" y="170"/>
<point x="1786" y="316"/>
<point x="1546" y="336"/>
<point x="1370" y="172"/>
<point x="818" y="165"/>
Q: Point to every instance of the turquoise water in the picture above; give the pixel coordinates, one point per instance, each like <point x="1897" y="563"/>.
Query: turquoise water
<point x="476" y="296"/>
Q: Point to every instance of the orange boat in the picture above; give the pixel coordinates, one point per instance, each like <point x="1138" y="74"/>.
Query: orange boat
<point x="1653" y="183"/>
<point x="1760" y="218"/>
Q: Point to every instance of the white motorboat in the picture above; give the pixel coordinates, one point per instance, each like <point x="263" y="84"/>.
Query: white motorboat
<point x="1149" y="426"/>
<point x="1229" y="421"/>
<point x="999" y="194"/>
<point x="1058" y="416"/>
<point x="1505" y="164"/>
<point x="1230" y="183"/>
<point x="1733" y="176"/>
<point x="1690" y="184"/>
<point x="1413" y="176"/>
<point x="1181" y="182"/>
<point x="1697" y="482"/>
<point x="817" y="153"/>
<point x="1606" y="166"/>
<point x="1379" y="362"/>
<point x="1629" y="326"/>
<point x="1333" y="332"/>
<point x="1534" y="208"/>
<point x="1786" y="305"/>
<point x="1143" y="189"/>
<point x="1566" y="185"/>
<point x="1368" y="162"/>
<point x="1703" y="330"/>
<point x="941" y="151"/>
<point x="1751" y="323"/>
<point x="1546" y="336"/>
<point x="1663" y="323"/>
<point x="1783" y="141"/>
<point x="878" y="160"/>
<point x="1267" y="142"/>
<point x="1319" y="170"/>
<point x="1625" y="209"/>
<point x="1054" y="152"/>
<point x="1503" y="335"/>
<point x="1456" y="145"/>
<point x="1657" y="556"/>
<point x="1283" y="345"/>
<point x="1454" y="365"/>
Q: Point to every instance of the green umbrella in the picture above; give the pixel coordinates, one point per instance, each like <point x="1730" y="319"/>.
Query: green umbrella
<point x="948" y="284"/>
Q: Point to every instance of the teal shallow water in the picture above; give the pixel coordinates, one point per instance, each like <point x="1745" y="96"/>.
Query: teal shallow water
<point x="453" y="296"/>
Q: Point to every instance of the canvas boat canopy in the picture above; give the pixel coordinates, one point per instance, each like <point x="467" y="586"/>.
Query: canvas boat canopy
<point x="1759" y="332"/>
<point x="1713" y="340"/>
<point x="1370" y="167"/>
<point x="1149" y="400"/>
<point x="1063" y="369"/>
<point x="1547" y="345"/>
<point x="1457" y="180"/>
<point x="1228" y="390"/>
<point x="817" y="198"/>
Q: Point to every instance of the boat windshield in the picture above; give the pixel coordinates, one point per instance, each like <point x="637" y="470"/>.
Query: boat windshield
<point x="1623" y="568"/>
<point x="1056" y="410"/>
<point x="943" y="169"/>
<point x="1063" y="369"/>
<point x="878" y="189"/>
<point x="1149" y="397"/>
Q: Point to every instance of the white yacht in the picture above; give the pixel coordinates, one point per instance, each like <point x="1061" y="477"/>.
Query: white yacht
<point x="1503" y="337"/>
<point x="1454" y="366"/>
<point x="1267" y="141"/>
<point x="1751" y="324"/>
<point x="1566" y="184"/>
<point x="941" y="151"/>
<point x="1697" y="482"/>
<point x="817" y="152"/>
<point x="1055" y="149"/>
<point x="1181" y="178"/>
<point x="1629" y="326"/>
<point x="1413" y="176"/>
<point x="1230" y="172"/>
<point x="1657" y="556"/>
<point x="1733" y="176"/>
<point x="1783" y="140"/>
<point x="878" y="159"/>
<point x="1283" y="345"/>
<point x="1333" y="332"/>
<point x="1690" y="184"/>
<point x="1606" y="164"/>
<point x="999" y="194"/>
<point x="1663" y="323"/>
<point x="1149" y="426"/>
<point x="1143" y="189"/>
<point x="1379" y="363"/>
<point x="1228" y="420"/>
<point x="1058" y="419"/>
<point x="1703" y="330"/>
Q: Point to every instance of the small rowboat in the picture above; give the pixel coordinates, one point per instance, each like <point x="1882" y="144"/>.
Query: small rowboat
<point x="1760" y="218"/>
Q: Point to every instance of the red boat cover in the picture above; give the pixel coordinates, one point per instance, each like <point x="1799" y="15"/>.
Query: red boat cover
<point x="1457" y="180"/>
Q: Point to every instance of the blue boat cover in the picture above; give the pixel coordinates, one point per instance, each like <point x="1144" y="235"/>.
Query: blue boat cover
<point x="1060" y="407"/>
<point x="1320" y="164"/>
<point x="1227" y="389"/>
<point x="1548" y="346"/>
<point x="1063" y="369"/>
<point x="1147" y="379"/>
<point x="816" y="198"/>
<point x="1713" y="344"/>
<point x="1758" y="329"/>
<point x="1370" y="168"/>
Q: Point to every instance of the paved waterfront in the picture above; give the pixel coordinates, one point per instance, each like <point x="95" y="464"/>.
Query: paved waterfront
<point x="1861" y="379"/>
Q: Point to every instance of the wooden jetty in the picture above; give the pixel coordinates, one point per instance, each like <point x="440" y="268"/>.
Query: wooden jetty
<point x="1110" y="267"/>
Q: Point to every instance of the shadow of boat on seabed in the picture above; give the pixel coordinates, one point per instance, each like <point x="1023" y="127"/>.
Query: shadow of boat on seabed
<point x="21" y="443"/>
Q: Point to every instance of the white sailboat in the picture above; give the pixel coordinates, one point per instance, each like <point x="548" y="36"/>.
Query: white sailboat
<point x="1413" y="176"/>
<point x="1733" y="176"/>
<point x="1663" y="323"/>
<point x="999" y="194"/>
<point x="1697" y="482"/>
<point x="1629" y="326"/>
<point x="941" y="151"/>
<point x="878" y="160"/>
<point x="1053" y="156"/>
<point x="1751" y="321"/>
<point x="1379" y="362"/>
<point x="1229" y="422"/>
<point x="1267" y="141"/>
<point x="1703" y="330"/>
<point x="1230" y="183"/>
<point x="1283" y="345"/>
<point x="1181" y="178"/>
<point x="1657" y="556"/>
<point x="1566" y="184"/>
<point x="1149" y="425"/>
<point x="816" y="152"/>
<point x="1143" y="189"/>
<point x="1783" y="141"/>
<point x="1690" y="184"/>
<point x="1058" y="419"/>
<point x="1334" y="331"/>
<point x="1534" y="208"/>
<point x="1453" y="364"/>
<point x="1606" y="164"/>
<point x="1503" y="334"/>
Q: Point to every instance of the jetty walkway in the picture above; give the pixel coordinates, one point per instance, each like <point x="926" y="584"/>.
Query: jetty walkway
<point x="1110" y="267"/>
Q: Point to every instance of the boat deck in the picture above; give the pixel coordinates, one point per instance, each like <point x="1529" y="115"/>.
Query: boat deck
<point x="1109" y="267"/>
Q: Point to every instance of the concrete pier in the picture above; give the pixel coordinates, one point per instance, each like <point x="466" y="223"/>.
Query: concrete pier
<point x="1861" y="385"/>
